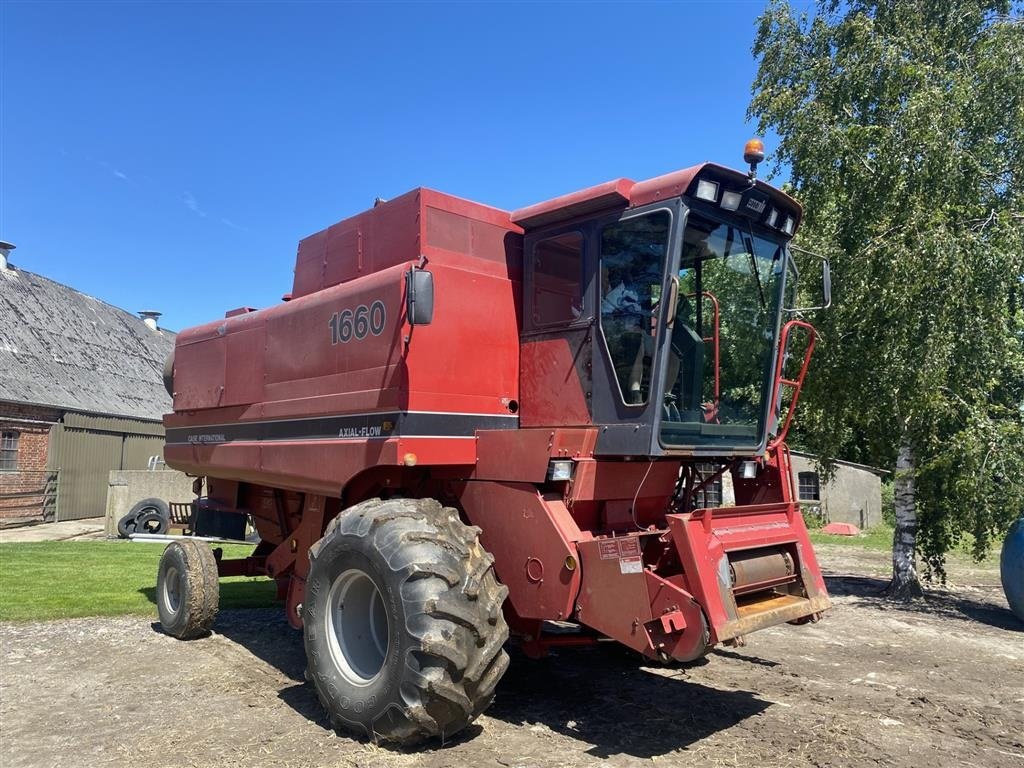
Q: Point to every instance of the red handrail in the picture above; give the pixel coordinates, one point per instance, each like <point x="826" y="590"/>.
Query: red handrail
<point x="797" y="384"/>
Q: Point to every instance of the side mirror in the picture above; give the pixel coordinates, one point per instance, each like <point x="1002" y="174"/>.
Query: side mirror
<point x="419" y="296"/>
<point x="826" y="281"/>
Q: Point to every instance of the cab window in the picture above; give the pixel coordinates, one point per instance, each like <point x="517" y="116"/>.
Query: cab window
<point x="557" y="294"/>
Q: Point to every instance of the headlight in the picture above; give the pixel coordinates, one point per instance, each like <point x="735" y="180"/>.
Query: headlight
<point x="560" y="469"/>
<point x="707" y="190"/>
<point x="731" y="200"/>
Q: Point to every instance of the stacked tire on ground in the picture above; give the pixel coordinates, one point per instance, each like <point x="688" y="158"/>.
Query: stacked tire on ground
<point x="148" y="516"/>
<point x="402" y="621"/>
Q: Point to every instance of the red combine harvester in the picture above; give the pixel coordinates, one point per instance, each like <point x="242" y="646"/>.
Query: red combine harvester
<point x="465" y="423"/>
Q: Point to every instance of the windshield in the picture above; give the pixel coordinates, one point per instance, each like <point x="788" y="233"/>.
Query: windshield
<point x="717" y="373"/>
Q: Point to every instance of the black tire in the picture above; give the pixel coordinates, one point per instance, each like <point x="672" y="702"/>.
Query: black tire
<point x="126" y="526"/>
<point x="187" y="589"/>
<point x="151" y="522"/>
<point x="434" y="668"/>
<point x="159" y="506"/>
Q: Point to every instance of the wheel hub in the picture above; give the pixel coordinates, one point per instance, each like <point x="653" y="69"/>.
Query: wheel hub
<point x="172" y="589"/>
<point x="357" y="627"/>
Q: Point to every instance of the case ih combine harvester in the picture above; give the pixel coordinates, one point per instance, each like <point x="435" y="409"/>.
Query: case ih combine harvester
<point x="467" y="423"/>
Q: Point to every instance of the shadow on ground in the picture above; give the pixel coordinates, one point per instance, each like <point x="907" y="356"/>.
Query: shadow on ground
<point x="251" y="593"/>
<point x="606" y="697"/>
<point x="602" y="696"/>
<point x="981" y="604"/>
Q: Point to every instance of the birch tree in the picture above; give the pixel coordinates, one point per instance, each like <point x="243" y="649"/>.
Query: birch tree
<point x="902" y="126"/>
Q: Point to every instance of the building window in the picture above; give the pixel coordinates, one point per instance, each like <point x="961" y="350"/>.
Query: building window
<point x="810" y="488"/>
<point x="9" y="449"/>
<point x="711" y="494"/>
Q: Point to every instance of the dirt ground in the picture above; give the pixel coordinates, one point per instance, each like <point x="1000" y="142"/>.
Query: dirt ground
<point x="940" y="683"/>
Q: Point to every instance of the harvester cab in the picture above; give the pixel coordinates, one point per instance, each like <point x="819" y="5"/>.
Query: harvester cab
<point x="467" y="423"/>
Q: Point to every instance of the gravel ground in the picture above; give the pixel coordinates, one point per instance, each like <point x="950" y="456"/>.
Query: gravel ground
<point x="937" y="683"/>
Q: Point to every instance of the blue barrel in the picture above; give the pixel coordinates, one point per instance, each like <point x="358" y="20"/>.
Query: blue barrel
<point x="1011" y="568"/>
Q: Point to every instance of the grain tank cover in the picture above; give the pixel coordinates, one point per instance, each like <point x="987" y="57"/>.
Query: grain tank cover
<point x="422" y="222"/>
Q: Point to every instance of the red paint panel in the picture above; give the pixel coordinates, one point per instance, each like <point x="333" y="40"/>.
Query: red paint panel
<point x="664" y="187"/>
<point x="437" y="452"/>
<point x="574" y="443"/>
<point x="596" y="198"/>
<point x="315" y="466"/>
<point x="468" y="357"/>
<point x="613" y="600"/>
<point x="399" y="231"/>
<point x="309" y="264"/>
<point x="199" y="374"/>
<point x="551" y="391"/>
<point x="368" y="242"/>
<point x="604" y="480"/>
<point x="344" y="255"/>
<point x="515" y="455"/>
<point x="530" y="538"/>
<point x="299" y="337"/>
<point x="245" y="366"/>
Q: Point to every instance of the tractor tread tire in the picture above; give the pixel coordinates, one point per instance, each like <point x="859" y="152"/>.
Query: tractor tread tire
<point x="454" y="630"/>
<point x="199" y="589"/>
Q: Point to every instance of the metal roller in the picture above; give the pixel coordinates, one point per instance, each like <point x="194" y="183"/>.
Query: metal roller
<point x="761" y="569"/>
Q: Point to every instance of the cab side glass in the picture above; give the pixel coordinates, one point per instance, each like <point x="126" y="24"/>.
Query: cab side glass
<point x="557" y="295"/>
<point x="633" y="253"/>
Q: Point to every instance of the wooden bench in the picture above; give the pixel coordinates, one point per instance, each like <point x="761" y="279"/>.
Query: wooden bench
<point x="181" y="516"/>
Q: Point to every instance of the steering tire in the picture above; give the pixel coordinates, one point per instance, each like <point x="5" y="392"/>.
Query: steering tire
<point x="402" y="623"/>
<point x="187" y="589"/>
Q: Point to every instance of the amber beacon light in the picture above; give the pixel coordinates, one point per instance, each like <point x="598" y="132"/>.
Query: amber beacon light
<point x="753" y="153"/>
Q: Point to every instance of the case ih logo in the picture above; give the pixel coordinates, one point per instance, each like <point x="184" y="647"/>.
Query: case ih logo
<point x="757" y="206"/>
<point x="207" y="438"/>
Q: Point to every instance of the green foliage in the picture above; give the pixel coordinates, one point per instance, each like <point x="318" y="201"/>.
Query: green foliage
<point x="813" y="519"/>
<point x="63" y="579"/>
<point x="902" y="124"/>
<point x="888" y="504"/>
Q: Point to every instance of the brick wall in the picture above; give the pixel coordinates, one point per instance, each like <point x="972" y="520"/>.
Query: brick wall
<point x="22" y="493"/>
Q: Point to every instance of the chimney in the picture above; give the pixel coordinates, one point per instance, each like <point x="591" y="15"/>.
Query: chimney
<point x="149" y="317"/>
<point x="5" y="253"/>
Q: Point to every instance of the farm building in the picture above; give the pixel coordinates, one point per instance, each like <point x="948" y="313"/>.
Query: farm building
<point x="852" y="494"/>
<point x="81" y="393"/>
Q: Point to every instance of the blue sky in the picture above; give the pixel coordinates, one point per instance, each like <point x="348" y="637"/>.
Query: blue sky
<point x="170" y="156"/>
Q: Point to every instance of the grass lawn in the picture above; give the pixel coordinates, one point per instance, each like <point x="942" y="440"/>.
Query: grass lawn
<point x="63" y="579"/>
<point x="878" y="538"/>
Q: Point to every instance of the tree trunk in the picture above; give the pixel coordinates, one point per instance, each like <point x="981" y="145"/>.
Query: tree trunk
<point x="905" y="583"/>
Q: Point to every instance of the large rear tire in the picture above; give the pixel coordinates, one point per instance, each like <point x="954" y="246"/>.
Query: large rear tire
<point x="403" y="626"/>
<point x="187" y="589"/>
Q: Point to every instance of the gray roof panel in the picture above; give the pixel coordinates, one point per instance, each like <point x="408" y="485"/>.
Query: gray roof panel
<point x="61" y="348"/>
